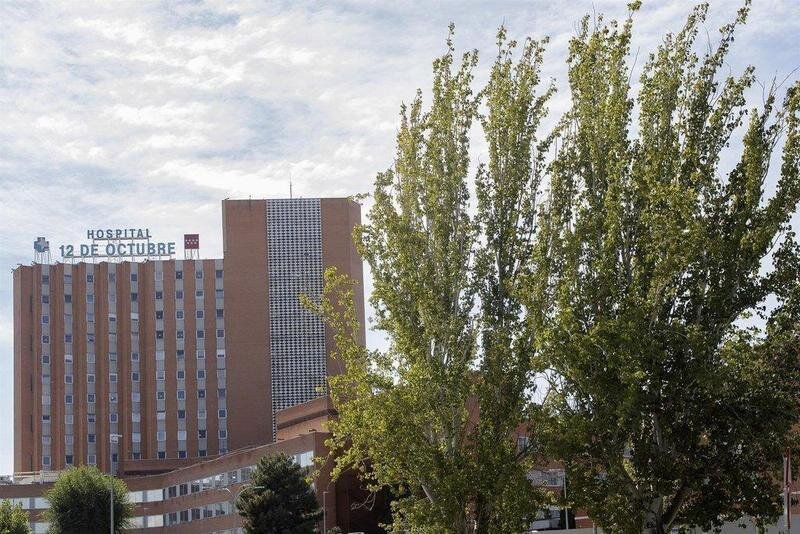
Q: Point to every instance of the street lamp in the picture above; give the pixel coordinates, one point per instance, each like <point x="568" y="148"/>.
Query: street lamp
<point x="114" y="440"/>
<point x="325" y="512"/>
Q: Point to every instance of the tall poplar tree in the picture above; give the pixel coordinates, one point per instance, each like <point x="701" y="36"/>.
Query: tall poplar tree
<point x="433" y="416"/>
<point x="670" y="403"/>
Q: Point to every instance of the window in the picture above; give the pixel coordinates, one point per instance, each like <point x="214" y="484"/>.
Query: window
<point x="45" y="339"/>
<point x="246" y="473"/>
<point x="178" y="275"/>
<point x="114" y="457"/>
<point x="181" y="435"/>
<point x="221" y="393"/>
<point x="181" y="414"/>
<point x="218" y="273"/>
<point x="220" y="293"/>
<point x="112" y="398"/>
<point x="199" y="293"/>
<point x="160" y="395"/>
<point x="136" y="455"/>
<point x="91" y="418"/>
<point x="89" y="278"/>
<point x="222" y="414"/>
<point x="179" y="354"/>
<point x="68" y="460"/>
<point x="181" y="374"/>
<point x="159" y="295"/>
<point x="199" y="314"/>
<point x="223" y="434"/>
<point x="112" y="318"/>
<point x="90" y="298"/>
<point x="134" y="297"/>
<point x="136" y="417"/>
<point x="45" y="279"/>
<point x="160" y="375"/>
<point x="159" y="334"/>
<point x="68" y="379"/>
<point x="134" y="277"/>
<point x="67" y="338"/>
<point x="136" y="396"/>
<point x="134" y="356"/>
<point x="90" y="357"/>
<point x="45" y="319"/>
<point x="113" y="417"/>
<point x="220" y="313"/>
<point x="45" y="358"/>
<point x="161" y="415"/>
<point x="201" y="354"/>
<point x="45" y="299"/>
<point x="179" y="314"/>
<point x="201" y="434"/>
<point x="202" y="452"/>
<point x="90" y="378"/>
<point x="134" y="376"/>
<point x="201" y="394"/>
<point x="181" y="394"/>
<point x="220" y="332"/>
<point x="136" y="437"/>
<point x="179" y="334"/>
<point x="67" y="278"/>
<point x="201" y="334"/>
<point x="45" y="419"/>
<point x="91" y="438"/>
<point x="112" y="356"/>
<point x="90" y="338"/>
<point x="67" y="299"/>
<point x="159" y="276"/>
<point x="161" y="456"/>
<point x="201" y="374"/>
<point x="69" y="419"/>
<point x="112" y="377"/>
<point x="68" y="358"/>
<point x="159" y="314"/>
<point x="91" y="459"/>
<point x="159" y="355"/>
<point x="178" y="294"/>
<point x="161" y="435"/>
<point x="45" y="460"/>
<point x="68" y="398"/>
<point x="198" y="275"/>
<point x="201" y="414"/>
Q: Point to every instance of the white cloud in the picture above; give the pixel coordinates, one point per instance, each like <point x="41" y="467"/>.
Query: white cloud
<point x="149" y="113"/>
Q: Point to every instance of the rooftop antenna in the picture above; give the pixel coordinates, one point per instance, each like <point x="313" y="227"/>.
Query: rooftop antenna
<point x="290" y="186"/>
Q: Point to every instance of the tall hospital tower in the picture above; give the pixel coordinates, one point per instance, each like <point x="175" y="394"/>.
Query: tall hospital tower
<point x="145" y="367"/>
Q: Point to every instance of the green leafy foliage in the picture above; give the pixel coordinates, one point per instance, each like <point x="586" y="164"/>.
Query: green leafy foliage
<point x="80" y="502"/>
<point x="432" y="417"/>
<point x="668" y="404"/>
<point x="13" y="519"/>
<point x="278" y="499"/>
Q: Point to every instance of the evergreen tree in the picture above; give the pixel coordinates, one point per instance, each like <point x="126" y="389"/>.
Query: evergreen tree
<point x="278" y="499"/>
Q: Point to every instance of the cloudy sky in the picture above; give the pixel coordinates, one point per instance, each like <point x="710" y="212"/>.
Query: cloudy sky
<point x="149" y="113"/>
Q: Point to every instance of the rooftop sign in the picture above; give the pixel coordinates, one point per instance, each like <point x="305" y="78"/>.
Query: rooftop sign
<point x="118" y="243"/>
